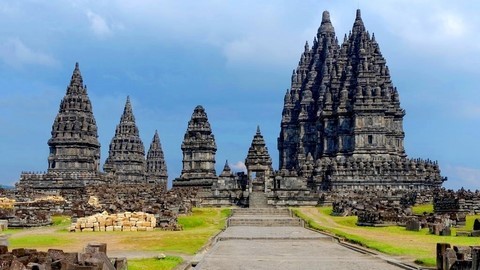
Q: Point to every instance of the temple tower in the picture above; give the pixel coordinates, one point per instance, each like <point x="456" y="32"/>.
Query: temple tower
<point x="126" y="155"/>
<point x="156" y="167"/>
<point x="342" y="124"/>
<point x="259" y="164"/>
<point x="199" y="150"/>
<point x="300" y="129"/>
<point x="74" y="145"/>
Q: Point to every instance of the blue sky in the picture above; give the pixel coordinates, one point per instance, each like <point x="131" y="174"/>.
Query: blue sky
<point x="235" y="58"/>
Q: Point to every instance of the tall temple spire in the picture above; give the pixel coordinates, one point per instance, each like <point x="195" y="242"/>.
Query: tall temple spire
<point x="74" y="143"/>
<point x="126" y="155"/>
<point x="199" y="150"/>
<point x="309" y="83"/>
<point x="156" y="167"/>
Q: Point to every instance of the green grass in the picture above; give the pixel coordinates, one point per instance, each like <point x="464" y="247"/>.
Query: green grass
<point x="393" y="240"/>
<point x="422" y="208"/>
<point x="198" y="228"/>
<point x="61" y="220"/>
<point x="37" y="241"/>
<point x="167" y="263"/>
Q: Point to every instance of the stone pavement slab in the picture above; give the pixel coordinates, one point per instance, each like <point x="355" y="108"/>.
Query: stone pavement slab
<point x="282" y="248"/>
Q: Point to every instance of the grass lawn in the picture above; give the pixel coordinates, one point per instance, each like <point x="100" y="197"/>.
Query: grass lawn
<point x="394" y="240"/>
<point x="166" y="263"/>
<point x="199" y="227"/>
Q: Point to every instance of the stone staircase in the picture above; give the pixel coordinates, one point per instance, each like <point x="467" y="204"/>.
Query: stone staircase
<point x="257" y="199"/>
<point x="264" y="217"/>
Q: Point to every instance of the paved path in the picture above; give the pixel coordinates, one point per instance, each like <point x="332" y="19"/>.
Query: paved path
<point x="248" y="247"/>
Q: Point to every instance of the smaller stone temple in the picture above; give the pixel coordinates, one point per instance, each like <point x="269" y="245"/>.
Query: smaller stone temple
<point x="74" y="159"/>
<point x="156" y="168"/>
<point x="199" y="150"/>
<point x="259" y="171"/>
<point x="126" y="156"/>
<point x="259" y="165"/>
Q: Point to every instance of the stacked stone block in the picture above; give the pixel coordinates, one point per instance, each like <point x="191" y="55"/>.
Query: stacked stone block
<point x="125" y="222"/>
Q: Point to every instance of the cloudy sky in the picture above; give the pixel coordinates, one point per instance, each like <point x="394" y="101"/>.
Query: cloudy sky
<point x="234" y="58"/>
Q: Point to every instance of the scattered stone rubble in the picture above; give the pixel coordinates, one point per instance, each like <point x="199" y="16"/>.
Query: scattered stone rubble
<point x="376" y="208"/>
<point x="93" y="258"/>
<point x="461" y="201"/>
<point x="34" y="207"/>
<point x="126" y="222"/>
<point x="457" y="257"/>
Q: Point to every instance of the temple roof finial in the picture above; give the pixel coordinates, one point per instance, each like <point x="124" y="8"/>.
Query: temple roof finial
<point x="127" y="112"/>
<point x="359" y="15"/>
<point x="258" y="129"/>
<point x="326" y="25"/>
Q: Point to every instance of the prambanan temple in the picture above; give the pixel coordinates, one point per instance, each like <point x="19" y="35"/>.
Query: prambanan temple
<point x="341" y="129"/>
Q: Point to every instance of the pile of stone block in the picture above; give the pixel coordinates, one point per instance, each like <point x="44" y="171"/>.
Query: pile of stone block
<point x="93" y="258"/>
<point x="457" y="257"/>
<point x="126" y="222"/>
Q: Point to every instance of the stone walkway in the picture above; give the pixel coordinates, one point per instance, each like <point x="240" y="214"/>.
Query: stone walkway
<point x="284" y="247"/>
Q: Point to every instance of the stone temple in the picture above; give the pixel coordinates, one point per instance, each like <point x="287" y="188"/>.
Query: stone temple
<point x="74" y="159"/>
<point x="341" y="130"/>
<point x="342" y="118"/>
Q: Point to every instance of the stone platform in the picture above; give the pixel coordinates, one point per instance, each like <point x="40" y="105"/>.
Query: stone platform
<point x="276" y="246"/>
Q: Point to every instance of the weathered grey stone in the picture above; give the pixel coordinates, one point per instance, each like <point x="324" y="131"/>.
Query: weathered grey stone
<point x="126" y="156"/>
<point x="199" y="150"/>
<point x="413" y="225"/>
<point x="156" y="171"/>
<point x="343" y="111"/>
<point x="74" y="148"/>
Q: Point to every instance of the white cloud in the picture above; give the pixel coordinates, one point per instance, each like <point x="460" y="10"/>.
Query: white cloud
<point x="15" y="53"/>
<point x="239" y="166"/>
<point x="99" y="25"/>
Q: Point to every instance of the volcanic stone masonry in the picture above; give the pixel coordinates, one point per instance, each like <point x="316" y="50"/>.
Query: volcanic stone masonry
<point x="126" y="156"/>
<point x="74" y="158"/>
<point x="199" y="150"/>
<point x="156" y="167"/>
<point x="343" y="114"/>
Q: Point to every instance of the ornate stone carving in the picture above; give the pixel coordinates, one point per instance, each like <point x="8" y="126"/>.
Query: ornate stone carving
<point x="199" y="150"/>
<point x="126" y="156"/>
<point x="156" y="168"/>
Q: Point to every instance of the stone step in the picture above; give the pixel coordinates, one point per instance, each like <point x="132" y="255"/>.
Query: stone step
<point x="265" y="221"/>
<point x="261" y="212"/>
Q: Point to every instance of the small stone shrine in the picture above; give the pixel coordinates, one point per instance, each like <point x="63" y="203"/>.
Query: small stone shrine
<point x="199" y="150"/>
